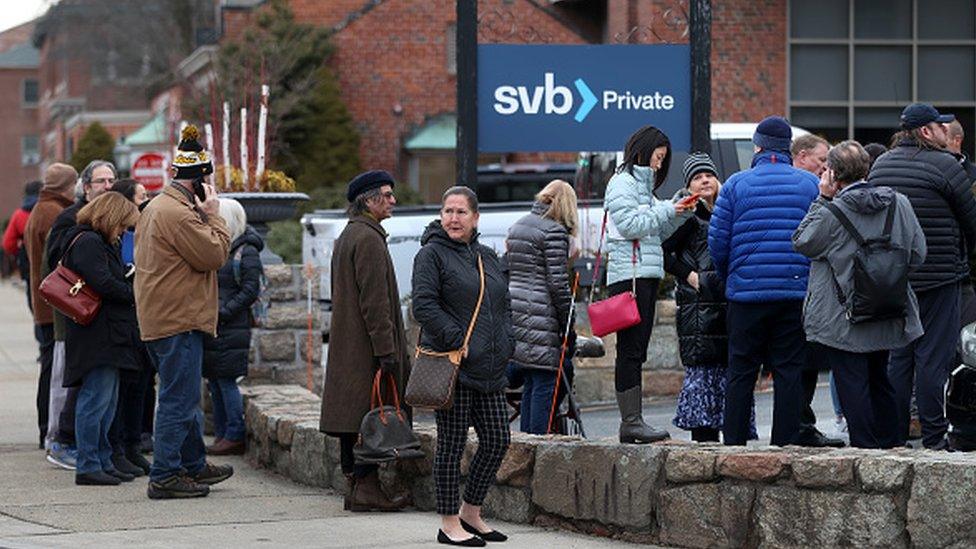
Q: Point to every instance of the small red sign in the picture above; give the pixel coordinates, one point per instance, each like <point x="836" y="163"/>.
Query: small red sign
<point x="150" y="170"/>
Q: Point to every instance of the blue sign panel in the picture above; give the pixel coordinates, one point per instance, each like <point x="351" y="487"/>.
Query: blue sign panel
<point x="581" y="98"/>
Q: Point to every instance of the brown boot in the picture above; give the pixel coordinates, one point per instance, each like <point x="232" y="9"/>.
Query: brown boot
<point x="226" y="447"/>
<point x="366" y="494"/>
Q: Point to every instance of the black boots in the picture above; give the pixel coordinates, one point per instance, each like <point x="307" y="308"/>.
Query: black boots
<point x="633" y="430"/>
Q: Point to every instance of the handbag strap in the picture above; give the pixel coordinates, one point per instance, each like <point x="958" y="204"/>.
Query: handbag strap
<point x="599" y="255"/>
<point x="474" y="317"/>
<point x="71" y="245"/>
<point x="376" y="395"/>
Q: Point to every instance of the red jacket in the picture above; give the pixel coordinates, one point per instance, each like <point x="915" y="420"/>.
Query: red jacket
<point x="13" y="237"/>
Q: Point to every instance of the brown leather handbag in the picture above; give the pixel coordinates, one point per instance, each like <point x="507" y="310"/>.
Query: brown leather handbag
<point x="434" y="374"/>
<point x="67" y="292"/>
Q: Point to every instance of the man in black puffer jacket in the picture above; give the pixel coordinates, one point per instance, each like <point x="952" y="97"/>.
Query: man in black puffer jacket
<point x="919" y="167"/>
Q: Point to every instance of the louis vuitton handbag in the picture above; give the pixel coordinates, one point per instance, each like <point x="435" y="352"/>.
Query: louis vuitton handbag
<point x="385" y="433"/>
<point x="432" y="379"/>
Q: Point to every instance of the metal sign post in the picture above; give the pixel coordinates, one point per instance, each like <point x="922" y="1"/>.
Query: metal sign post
<point x="467" y="93"/>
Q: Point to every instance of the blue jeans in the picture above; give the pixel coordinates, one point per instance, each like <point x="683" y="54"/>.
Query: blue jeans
<point x="536" y="401"/>
<point x="228" y="408"/>
<point x="94" y="412"/>
<point x="834" y="397"/>
<point x="178" y="436"/>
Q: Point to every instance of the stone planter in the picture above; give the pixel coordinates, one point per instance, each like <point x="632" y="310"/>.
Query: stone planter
<point x="263" y="208"/>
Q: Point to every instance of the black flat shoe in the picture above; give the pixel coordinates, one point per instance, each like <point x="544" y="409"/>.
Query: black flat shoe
<point x="473" y="541"/>
<point x="493" y="535"/>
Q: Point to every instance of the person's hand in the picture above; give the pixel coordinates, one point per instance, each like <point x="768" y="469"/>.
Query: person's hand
<point x="828" y="187"/>
<point x="210" y="206"/>
<point x="683" y="206"/>
<point x="693" y="280"/>
<point x="389" y="364"/>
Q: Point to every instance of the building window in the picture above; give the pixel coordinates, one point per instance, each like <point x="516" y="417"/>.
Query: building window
<point x="30" y="150"/>
<point x="32" y="92"/>
<point x="855" y="64"/>
<point x="451" y="44"/>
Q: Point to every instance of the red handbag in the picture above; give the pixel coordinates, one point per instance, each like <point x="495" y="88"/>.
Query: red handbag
<point x="67" y="292"/>
<point x="620" y="311"/>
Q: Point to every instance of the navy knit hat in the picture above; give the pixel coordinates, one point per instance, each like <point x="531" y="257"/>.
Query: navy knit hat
<point x="696" y="163"/>
<point x="366" y="181"/>
<point x="774" y="134"/>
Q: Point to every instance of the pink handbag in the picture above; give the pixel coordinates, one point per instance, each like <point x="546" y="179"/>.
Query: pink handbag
<point x="620" y="311"/>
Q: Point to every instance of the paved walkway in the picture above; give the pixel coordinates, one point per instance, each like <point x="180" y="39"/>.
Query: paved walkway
<point x="40" y="506"/>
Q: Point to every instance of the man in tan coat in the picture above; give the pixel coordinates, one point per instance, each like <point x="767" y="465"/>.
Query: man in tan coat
<point x="181" y="242"/>
<point x="57" y="193"/>
<point x="366" y="332"/>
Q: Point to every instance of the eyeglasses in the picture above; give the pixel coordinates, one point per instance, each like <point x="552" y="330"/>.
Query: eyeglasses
<point x="104" y="180"/>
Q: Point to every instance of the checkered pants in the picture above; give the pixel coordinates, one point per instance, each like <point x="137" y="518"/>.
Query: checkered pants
<point x="488" y="413"/>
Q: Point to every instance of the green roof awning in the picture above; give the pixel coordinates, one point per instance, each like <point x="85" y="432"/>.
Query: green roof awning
<point x="152" y="133"/>
<point x="437" y="134"/>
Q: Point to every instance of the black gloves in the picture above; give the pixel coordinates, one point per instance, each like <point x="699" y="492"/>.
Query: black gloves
<point x="389" y="364"/>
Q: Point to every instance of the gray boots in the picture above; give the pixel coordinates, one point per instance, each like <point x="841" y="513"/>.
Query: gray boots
<point x="633" y="430"/>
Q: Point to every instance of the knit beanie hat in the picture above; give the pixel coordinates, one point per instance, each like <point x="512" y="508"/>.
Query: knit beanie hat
<point x="696" y="163"/>
<point x="191" y="160"/>
<point x="367" y="181"/>
<point x="59" y="177"/>
<point x="773" y="133"/>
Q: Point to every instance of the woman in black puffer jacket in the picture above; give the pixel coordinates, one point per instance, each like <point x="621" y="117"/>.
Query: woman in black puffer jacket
<point x="538" y="261"/>
<point x="446" y="284"/>
<point x="700" y="296"/>
<point x="225" y="357"/>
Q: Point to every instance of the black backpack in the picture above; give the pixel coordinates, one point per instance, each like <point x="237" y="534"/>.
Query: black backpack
<point x="880" y="274"/>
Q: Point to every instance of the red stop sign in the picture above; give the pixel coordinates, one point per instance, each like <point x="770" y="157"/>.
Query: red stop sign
<point x="150" y="170"/>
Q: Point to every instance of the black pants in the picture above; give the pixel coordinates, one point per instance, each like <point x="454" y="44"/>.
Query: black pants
<point x="771" y="334"/>
<point x="927" y="360"/>
<point x="808" y="380"/>
<point x="46" y="333"/>
<point x="632" y="342"/>
<point x="348" y="461"/>
<point x="126" y="430"/>
<point x="866" y="396"/>
<point x="488" y="413"/>
<point x="66" y="420"/>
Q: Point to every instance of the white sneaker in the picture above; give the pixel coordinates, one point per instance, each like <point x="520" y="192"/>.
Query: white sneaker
<point x="840" y="427"/>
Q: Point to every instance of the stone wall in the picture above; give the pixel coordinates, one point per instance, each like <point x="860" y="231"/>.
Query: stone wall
<point x="279" y="349"/>
<point x="675" y="494"/>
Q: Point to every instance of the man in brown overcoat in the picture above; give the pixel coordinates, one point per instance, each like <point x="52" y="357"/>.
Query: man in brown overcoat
<point x="366" y="332"/>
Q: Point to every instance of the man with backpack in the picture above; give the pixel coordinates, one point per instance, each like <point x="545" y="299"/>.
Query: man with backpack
<point x="863" y="242"/>
<point x="920" y="167"/>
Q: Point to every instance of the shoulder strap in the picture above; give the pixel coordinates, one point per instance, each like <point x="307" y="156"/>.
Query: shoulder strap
<point x="889" y="219"/>
<point x="846" y="222"/>
<point x="477" y="308"/>
<point x="68" y="249"/>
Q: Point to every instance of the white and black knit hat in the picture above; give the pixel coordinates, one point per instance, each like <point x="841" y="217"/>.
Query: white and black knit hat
<point x="698" y="162"/>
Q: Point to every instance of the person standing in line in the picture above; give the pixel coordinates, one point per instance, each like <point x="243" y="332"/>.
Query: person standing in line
<point x="366" y="312"/>
<point x="181" y="243"/>
<point x="13" y="237"/>
<point x="538" y="262"/>
<point x="96" y="352"/>
<point x="225" y="357"/>
<point x="857" y="350"/>
<point x="919" y="166"/>
<point x="954" y="138"/>
<point x="637" y="223"/>
<point x="810" y="153"/>
<point x="57" y="193"/>
<point x="749" y="239"/>
<point x="448" y="273"/>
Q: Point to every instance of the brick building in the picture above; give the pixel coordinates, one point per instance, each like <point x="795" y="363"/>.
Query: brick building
<point x="20" y="155"/>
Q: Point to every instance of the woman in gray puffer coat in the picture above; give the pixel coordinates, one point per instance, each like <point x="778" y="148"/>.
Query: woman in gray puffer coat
<point x="857" y="351"/>
<point x="538" y="261"/>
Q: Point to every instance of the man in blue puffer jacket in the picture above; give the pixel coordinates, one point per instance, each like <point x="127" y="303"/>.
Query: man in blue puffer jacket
<point x="749" y="238"/>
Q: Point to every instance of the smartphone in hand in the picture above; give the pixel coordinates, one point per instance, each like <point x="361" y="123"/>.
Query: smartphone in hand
<point x="689" y="200"/>
<point x="199" y="190"/>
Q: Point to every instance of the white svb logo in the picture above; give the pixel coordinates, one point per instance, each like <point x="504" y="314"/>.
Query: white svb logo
<point x="556" y="99"/>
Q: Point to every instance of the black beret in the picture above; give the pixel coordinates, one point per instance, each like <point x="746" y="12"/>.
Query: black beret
<point x="366" y="181"/>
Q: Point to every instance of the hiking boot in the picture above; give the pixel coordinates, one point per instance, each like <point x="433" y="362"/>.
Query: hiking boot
<point x="212" y="474"/>
<point x="98" y="478"/>
<point x="177" y="487"/>
<point x="224" y="447"/>
<point x="135" y="457"/>
<point x="368" y="495"/>
<point x="124" y="465"/>
<point x="62" y="455"/>
<point x="124" y="477"/>
<point x="633" y="430"/>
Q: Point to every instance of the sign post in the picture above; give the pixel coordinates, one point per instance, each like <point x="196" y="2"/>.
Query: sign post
<point x="149" y="169"/>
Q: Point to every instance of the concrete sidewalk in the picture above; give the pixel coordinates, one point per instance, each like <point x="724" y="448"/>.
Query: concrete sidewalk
<point x="40" y="506"/>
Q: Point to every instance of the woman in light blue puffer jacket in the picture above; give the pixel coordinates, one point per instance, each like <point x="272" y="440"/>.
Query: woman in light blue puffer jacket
<point x="636" y="216"/>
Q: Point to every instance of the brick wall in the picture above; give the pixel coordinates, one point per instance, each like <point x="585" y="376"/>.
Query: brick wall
<point x="17" y="122"/>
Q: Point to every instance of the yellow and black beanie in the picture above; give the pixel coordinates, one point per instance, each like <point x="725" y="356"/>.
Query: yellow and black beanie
<point x="191" y="160"/>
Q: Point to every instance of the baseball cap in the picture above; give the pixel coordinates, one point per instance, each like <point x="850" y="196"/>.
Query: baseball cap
<point x="917" y="115"/>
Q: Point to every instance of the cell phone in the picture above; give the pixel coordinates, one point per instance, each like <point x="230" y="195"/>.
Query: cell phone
<point x="199" y="190"/>
<point x="689" y="200"/>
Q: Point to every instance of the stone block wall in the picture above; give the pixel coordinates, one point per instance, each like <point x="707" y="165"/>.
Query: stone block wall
<point x="280" y="348"/>
<point x="674" y="493"/>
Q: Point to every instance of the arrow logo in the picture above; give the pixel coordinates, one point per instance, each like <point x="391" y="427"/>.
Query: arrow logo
<point x="589" y="100"/>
